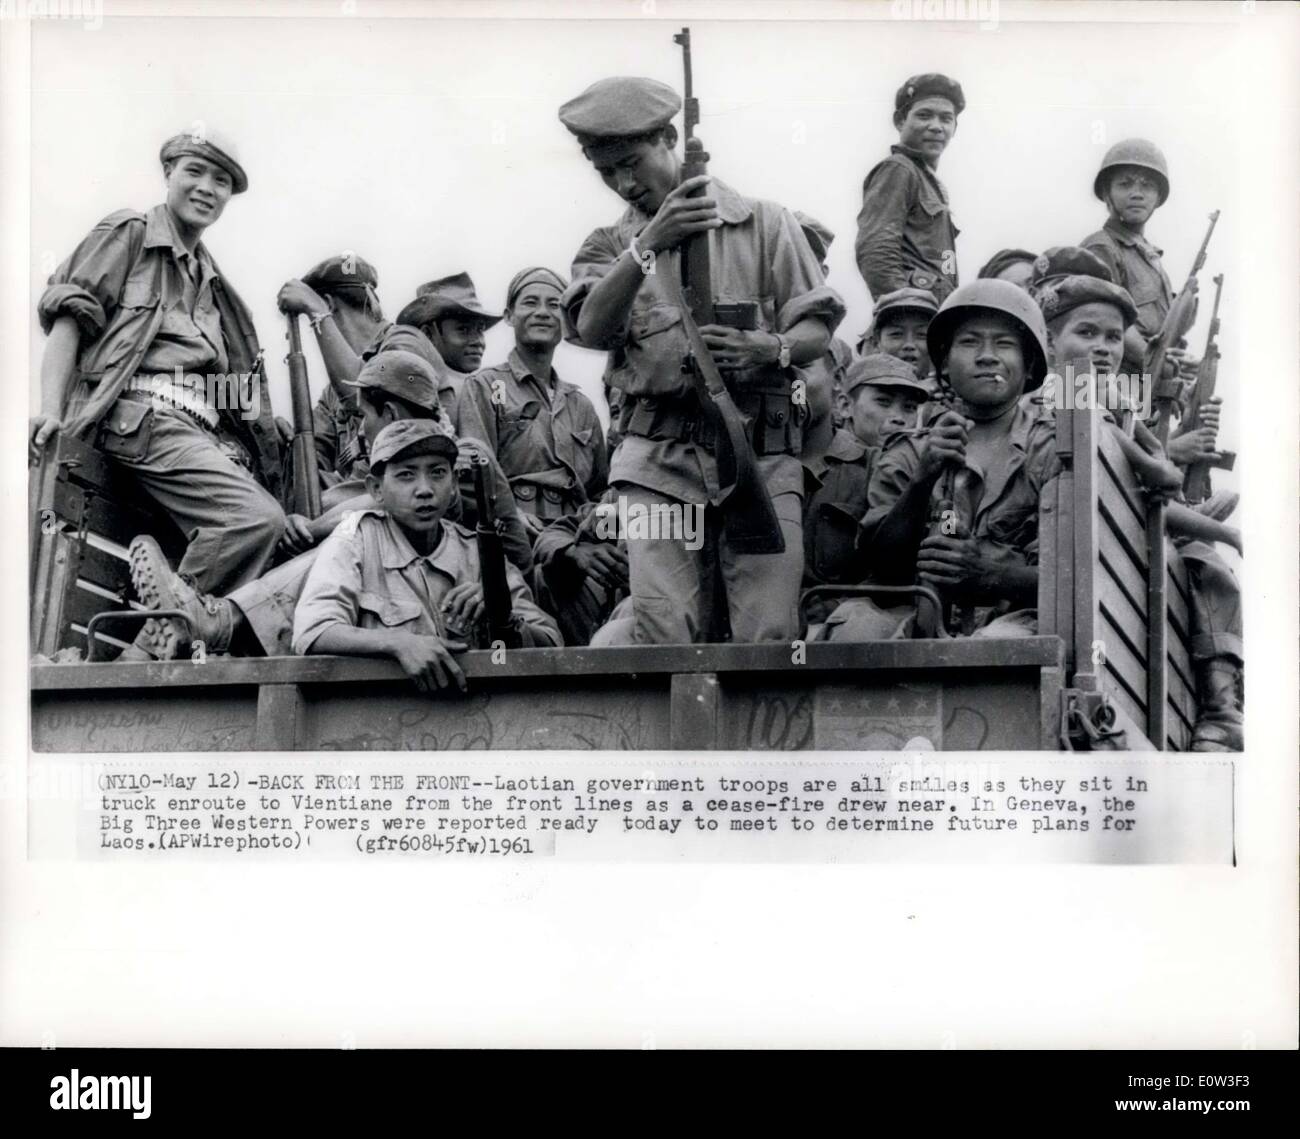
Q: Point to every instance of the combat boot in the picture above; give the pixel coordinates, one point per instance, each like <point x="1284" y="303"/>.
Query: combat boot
<point x="158" y="587"/>
<point x="1219" y="692"/>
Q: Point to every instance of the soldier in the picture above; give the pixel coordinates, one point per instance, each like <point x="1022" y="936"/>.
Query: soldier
<point x="989" y="343"/>
<point x="581" y="573"/>
<point x="839" y="355"/>
<point x="1087" y="317"/>
<point x="152" y="357"/>
<point x="339" y="299"/>
<point x="398" y="580"/>
<point x="1133" y="182"/>
<point x="898" y="326"/>
<point x="906" y="236"/>
<point x="666" y="462"/>
<point x="257" y="618"/>
<point x="884" y="397"/>
<point x="543" y="431"/>
<point x="449" y="313"/>
<point x="1014" y="265"/>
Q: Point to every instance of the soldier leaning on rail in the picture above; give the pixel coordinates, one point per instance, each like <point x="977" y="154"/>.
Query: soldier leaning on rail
<point x="906" y="236"/>
<point x="666" y="459"/>
<point x="257" y="618"/>
<point x="339" y="299"/>
<point x="542" y="430"/>
<point x="401" y="581"/>
<point x="884" y="397"/>
<point x="141" y="327"/>
<point x="989" y="343"/>
<point x="1088" y="317"/>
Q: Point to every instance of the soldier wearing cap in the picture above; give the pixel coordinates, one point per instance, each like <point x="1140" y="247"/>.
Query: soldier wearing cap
<point x="339" y="298"/>
<point x="1087" y="317"/>
<point x="898" y="325"/>
<point x="838" y="356"/>
<point x="1133" y="182"/>
<point x="449" y="313"/>
<point x="401" y="581"/>
<point x="543" y="431"/>
<point x="884" y="397"/>
<point x="152" y="358"/>
<point x="666" y="460"/>
<point x="1014" y="265"/>
<point x="906" y="236"/>
<point x="988" y="341"/>
<point x="257" y="618"/>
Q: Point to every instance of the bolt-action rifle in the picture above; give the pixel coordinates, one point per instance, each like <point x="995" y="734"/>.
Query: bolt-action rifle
<point x="1196" y="484"/>
<point x="306" y="478"/>
<point x="501" y="624"/>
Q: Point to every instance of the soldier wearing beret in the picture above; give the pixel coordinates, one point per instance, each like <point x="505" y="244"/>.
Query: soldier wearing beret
<point x="399" y="580"/>
<point x="339" y="298"/>
<point x="1014" y="265"/>
<point x="906" y="236"/>
<point x="450" y="314"/>
<point x="898" y="325"/>
<point x="884" y="397"/>
<point x="152" y="358"/>
<point x="543" y="431"/>
<point x="1087" y="317"/>
<point x="257" y="618"/>
<point x="666" y="460"/>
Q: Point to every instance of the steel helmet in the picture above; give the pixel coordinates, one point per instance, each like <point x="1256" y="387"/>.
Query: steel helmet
<point x="998" y="296"/>
<point x="1135" y="152"/>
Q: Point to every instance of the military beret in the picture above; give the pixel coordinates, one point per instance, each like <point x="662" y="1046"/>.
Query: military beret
<point x="210" y="145"/>
<point x="1069" y="261"/>
<point x="818" y="236"/>
<point x="401" y="374"/>
<point x="1003" y="259"/>
<point x="536" y="275"/>
<point x="344" y="271"/>
<point x="880" y="370"/>
<point x="1064" y="294"/>
<point x="435" y="435"/>
<point x="923" y="87"/>
<point x="620" y="107"/>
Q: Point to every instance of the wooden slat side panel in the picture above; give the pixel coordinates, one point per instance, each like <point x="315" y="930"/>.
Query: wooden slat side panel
<point x="1122" y="662"/>
<point x="1118" y="474"/>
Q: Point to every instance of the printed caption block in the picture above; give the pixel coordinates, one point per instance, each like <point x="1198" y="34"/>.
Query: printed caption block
<point x="1025" y="809"/>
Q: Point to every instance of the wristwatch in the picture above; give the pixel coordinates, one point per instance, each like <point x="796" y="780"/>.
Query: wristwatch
<point x="783" y="356"/>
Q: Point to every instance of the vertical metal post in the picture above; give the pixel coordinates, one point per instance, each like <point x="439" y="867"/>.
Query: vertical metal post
<point x="1157" y="624"/>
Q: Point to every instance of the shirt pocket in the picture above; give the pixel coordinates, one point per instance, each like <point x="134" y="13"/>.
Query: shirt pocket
<point x="392" y="612"/>
<point x="516" y="423"/>
<point x="931" y="222"/>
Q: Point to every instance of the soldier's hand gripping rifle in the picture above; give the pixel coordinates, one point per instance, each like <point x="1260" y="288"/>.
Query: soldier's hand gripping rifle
<point x="750" y="523"/>
<point x="501" y="625"/>
<point x="1196" y="484"/>
<point x="1178" y="322"/>
<point x="950" y="619"/>
<point x="306" y="477"/>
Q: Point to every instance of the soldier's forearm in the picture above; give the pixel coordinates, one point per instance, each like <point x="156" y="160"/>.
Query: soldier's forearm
<point x="59" y="365"/>
<point x="341" y="363"/>
<point x="348" y="640"/>
<point x="808" y="339"/>
<point x="893" y="546"/>
<point x="1184" y="522"/>
<point x="606" y="308"/>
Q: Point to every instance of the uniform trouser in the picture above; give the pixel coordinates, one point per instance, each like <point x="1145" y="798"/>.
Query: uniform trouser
<point x="862" y="619"/>
<point x="268" y="603"/>
<point x="672" y="586"/>
<point x="231" y="524"/>
<point x="1215" y="603"/>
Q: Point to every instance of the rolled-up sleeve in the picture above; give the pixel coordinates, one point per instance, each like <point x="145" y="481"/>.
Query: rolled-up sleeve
<point x="329" y="595"/>
<point x="887" y="198"/>
<point x="893" y="471"/>
<point x="594" y="259"/>
<point x="89" y="283"/>
<point x="539" y="629"/>
<point x="798" y="287"/>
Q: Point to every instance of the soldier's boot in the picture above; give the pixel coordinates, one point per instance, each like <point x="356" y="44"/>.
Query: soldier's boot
<point x="142" y="648"/>
<point x="159" y="587"/>
<point x="1218" y="705"/>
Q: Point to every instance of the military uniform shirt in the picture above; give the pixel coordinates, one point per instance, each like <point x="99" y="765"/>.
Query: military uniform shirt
<point x="1135" y="264"/>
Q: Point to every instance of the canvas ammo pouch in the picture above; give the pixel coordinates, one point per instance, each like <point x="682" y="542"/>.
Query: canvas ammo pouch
<point x="124" y="432"/>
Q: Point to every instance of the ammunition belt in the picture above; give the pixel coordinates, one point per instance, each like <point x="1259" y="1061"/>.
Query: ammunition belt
<point x="775" y="423"/>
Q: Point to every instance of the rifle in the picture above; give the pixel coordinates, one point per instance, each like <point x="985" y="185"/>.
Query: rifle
<point x="950" y="618"/>
<point x="1177" y="323"/>
<point x="492" y="562"/>
<point x="749" y="522"/>
<point x="306" y="477"/>
<point x="1196" y="484"/>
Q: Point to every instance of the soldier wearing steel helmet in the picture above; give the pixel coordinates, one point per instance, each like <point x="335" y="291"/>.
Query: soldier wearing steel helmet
<point x="989" y="344"/>
<point x="1133" y="182"/>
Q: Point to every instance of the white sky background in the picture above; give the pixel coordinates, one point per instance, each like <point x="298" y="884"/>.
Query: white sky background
<point x="431" y="145"/>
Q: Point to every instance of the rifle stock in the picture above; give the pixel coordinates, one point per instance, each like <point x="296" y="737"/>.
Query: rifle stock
<point x="749" y="521"/>
<point x="306" y="477"/>
<point x="492" y="563"/>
